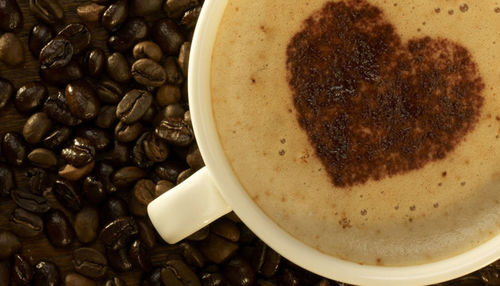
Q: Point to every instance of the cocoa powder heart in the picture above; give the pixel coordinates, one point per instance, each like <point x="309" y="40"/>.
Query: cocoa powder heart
<point x="372" y="106"/>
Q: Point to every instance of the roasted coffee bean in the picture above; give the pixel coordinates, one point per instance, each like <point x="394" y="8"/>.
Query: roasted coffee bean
<point x="145" y="7"/>
<point x="99" y="138"/>
<point x="56" y="107"/>
<point x="213" y="279"/>
<point x="155" y="149"/>
<point x="57" y="137"/>
<point x="148" y="72"/>
<point x="288" y="277"/>
<point x="175" y="8"/>
<point x="63" y="75"/>
<point x="36" y="127"/>
<point x="150" y="114"/>
<point x="86" y="224"/>
<point x="39" y="36"/>
<point x="139" y="256"/>
<point x="226" y="229"/>
<point x="131" y="32"/>
<point x="143" y="193"/>
<point x="138" y="154"/>
<point x="106" y="117"/>
<point x="7" y="182"/>
<point x="80" y="153"/>
<point x="109" y="91"/>
<point x="118" y="259"/>
<point x="127" y="133"/>
<point x="146" y="232"/>
<point x="117" y="233"/>
<point x="14" y="148"/>
<point x="6" y="91"/>
<point x="190" y="18"/>
<point x="118" y="68"/>
<point x="147" y="49"/>
<point x="187" y="118"/>
<point x="192" y="255"/>
<point x="56" y="53"/>
<point x="38" y="180"/>
<point x="271" y="263"/>
<point x="94" y="191"/>
<point x="176" y="272"/>
<point x="49" y="11"/>
<point x="120" y="153"/>
<point x="162" y="187"/>
<point x="175" y="110"/>
<point x="89" y="262"/>
<point x="168" y="94"/>
<point x="168" y="36"/>
<point x="169" y="170"/>
<point x="72" y="173"/>
<point x="217" y="249"/>
<point x="46" y="273"/>
<point x="25" y="224"/>
<point x="43" y="158"/>
<point x="82" y="100"/>
<point x="175" y="131"/>
<point x="104" y="172"/>
<point x="115" y="281"/>
<point x="30" y="202"/>
<point x="133" y="105"/>
<point x="30" y="97"/>
<point x="112" y="209"/>
<point x="193" y="158"/>
<point x="200" y="235"/>
<point x="78" y="35"/>
<point x="11" y="17"/>
<point x="90" y="12"/>
<point x="115" y="15"/>
<point x="9" y="244"/>
<point x="74" y="279"/>
<point x="21" y="270"/>
<point x="67" y="195"/>
<point x="153" y="278"/>
<point x="183" y="59"/>
<point x="184" y="175"/>
<point x="58" y="228"/>
<point x="93" y="62"/>
<point x="5" y="272"/>
<point x="173" y="72"/>
<point x="11" y="49"/>
<point x="239" y="272"/>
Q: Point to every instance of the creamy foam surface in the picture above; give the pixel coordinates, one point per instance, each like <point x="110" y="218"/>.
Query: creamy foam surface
<point x="438" y="211"/>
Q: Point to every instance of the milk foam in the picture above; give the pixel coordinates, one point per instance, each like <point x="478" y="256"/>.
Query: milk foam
<point x="432" y="213"/>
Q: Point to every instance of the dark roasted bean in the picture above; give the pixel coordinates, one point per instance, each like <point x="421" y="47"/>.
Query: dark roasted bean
<point x="49" y="11"/>
<point x="168" y="94"/>
<point x="138" y="154"/>
<point x="118" y="68"/>
<point x="90" y="12"/>
<point x="82" y="100"/>
<point x="148" y="72"/>
<point x="271" y="263"/>
<point x="38" y="180"/>
<point x="56" y="107"/>
<point x="150" y="114"/>
<point x="30" y="97"/>
<point x="72" y="173"/>
<point x="94" y="190"/>
<point x="30" y="202"/>
<point x="6" y="91"/>
<point x="106" y="117"/>
<point x="146" y="232"/>
<point x="115" y="281"/>
<point x="11" y="49"/>
<point x="99" y="138"/>
<point x="187" y="118"/>
<point x="117" y="233"/>
<point x="217" y="249"/>
<point x="56" y="138"/>
<point x="93" y="62"/>
<point x="139" y="256"/>
<point x="56" y="54"/>
<point x="39" y="36"/>
<point x="193" y="158"/>
<point x="112" y="209"/>
<point x="175" y="8"/>
<point x="115" y="15"/>
<point x="9" y="244"/>
<point x="58" y="228"/>
<point x="78" y="35"/>
<point x="14" y="148"/>
<point x="162" y="187"/>
<point x="168" y="36"/>
<point x="176" y="272"/>
<point x="5" y="272"/>
<point x="169" y="170"/>
<point x="86" y="224"/>
<point x="190" y="18"/>
<point x="7" y="182"/>
<point x="192" y="255"/>
<point x="143" y="193"/>
<point x="239" y="272"/>
<point x="183" y="59"/>
<point x="133" y="105"/>
<point x="226" y="229"/>
<point x="104" y="172"/>
<point x="155" y="149"/>
<point x="63" y="75"/>
<point x="289" y="278"/>
<point x="66" y="194"/>
<point x="120" y="153"/>
<point x="43" y="158"/>
<point x="25" y="224"/>
<point x="175" y="131"/>
<point x="118" y="259"/>
<point x="89" y="262"/>
<point x="145" y="7"/>
<point x="36" y="127"/>
<point x="127" y="133"/>
<point x="490" y="275"/>
<point x="200" y="235"/>
<point x="174" y="74"/>
<point x="147" y="49"/>
<point x="21" y="270"/>
<point x="109" y="91"/>
<point x="153" y="279"/>
<point x="184" y="175"/>
<point x="175" y="110"/>
<point x="131" y="32"/>
<point x="74" y="279"/>
<point x="46" y="273"/>
<point x="80" y="153"/>
<point x="11" y="17"/>
<point x="212" y="279"/>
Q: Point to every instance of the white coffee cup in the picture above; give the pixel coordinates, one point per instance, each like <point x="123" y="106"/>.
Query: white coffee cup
<point x="214" y="191"/>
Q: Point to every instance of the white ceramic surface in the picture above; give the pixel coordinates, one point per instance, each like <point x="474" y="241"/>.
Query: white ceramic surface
<point x="196" y="202"/>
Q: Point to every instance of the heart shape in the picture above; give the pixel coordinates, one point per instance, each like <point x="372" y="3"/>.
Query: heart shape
<point x="372" y="106"/>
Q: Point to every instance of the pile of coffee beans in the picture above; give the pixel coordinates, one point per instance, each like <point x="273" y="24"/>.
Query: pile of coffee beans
<point x="105" y="130"/>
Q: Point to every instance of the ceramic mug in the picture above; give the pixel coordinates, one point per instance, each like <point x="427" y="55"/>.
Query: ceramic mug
<point x="214" y="191"/>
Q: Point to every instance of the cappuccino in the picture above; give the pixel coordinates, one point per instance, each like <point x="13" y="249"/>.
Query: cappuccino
<point x="367" y="129"/>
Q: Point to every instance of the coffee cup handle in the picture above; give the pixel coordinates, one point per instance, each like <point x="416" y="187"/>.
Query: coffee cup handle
<point x="187" y="207"/>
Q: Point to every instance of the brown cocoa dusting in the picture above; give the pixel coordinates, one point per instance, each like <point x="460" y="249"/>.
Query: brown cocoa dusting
<point x="437" y="10"/>
<point x="372" y="106"/>
<point x="345" y="223"/>
<point x="464" y="8"/>
<point x="436" y="205"/>
<point x="497" y="10"/>
<point x="451" y="12"/>
<point x="282" y="152"/>
<point x="444" y="174"/>
<point x="283" y="141"/>
<point x="364" y="212"/>
<point x="413" y="208"/>
<point x="462" y="184"/>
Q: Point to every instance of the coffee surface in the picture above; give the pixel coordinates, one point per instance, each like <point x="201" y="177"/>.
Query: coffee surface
<point x="366" y="129"/>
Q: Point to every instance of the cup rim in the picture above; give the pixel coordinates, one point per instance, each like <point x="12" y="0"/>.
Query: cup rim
<point x="264" y="227"/>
